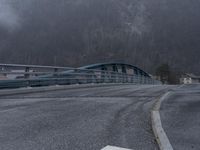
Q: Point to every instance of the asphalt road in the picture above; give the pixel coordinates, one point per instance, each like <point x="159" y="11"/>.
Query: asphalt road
<point x="80" y="119"/>
<point x="180" y="115"/>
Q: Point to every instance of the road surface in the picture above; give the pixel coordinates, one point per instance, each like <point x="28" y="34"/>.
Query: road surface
<point x="80" y="119"/>
<point x="180" y="115"/>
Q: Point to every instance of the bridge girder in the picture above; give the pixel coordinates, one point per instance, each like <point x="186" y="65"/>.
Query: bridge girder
<point x="118" y="67"/>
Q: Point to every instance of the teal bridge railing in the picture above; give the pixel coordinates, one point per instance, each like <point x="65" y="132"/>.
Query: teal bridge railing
<point x="16" y="76"/>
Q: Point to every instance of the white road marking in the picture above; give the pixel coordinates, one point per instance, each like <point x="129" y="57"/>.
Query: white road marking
<point x="158" y="104"/>
<point x="114" y="148"/>
<point x="158" y="130"/>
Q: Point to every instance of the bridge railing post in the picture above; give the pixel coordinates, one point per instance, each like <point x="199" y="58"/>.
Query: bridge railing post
<point x="121" y="78"/>
<point x="102" y="76"/>
<point x="142" y="79"/>
<point x="132" y="78"/>
<point x="93" y="77"/>
<point x="55" y="70"/>
<point x="136" y="80"/>
<point x="118" y="78"/>
<point x="26" y="76"/>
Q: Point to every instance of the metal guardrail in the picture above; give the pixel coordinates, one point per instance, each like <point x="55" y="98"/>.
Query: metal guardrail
<point x="31" y="66"/>
<point x="28" y="70"/>
<point x="49" y="75"/>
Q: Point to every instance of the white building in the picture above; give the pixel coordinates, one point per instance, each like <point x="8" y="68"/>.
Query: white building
<point x="189" y="79"/>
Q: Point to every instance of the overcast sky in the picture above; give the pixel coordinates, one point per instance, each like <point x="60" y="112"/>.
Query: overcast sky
<point x="166" y="30"/>
<point x="8" y="16"/>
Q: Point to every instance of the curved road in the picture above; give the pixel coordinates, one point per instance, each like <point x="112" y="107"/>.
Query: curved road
<point x="87" y="118"/>
<point x="180" y="114"/>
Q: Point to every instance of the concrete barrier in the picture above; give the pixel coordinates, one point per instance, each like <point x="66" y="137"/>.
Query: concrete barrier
<point x="27" y="90"/>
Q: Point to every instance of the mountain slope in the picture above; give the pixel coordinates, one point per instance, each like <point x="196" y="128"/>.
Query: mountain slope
<point x="77" y="32"/>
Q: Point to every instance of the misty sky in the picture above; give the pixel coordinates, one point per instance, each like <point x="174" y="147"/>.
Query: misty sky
<point x="77" y="32"/>
<point x="8" y="16"/>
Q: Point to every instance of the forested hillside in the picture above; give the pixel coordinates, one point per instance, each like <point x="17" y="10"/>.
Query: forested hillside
<point x="146" y="33"/>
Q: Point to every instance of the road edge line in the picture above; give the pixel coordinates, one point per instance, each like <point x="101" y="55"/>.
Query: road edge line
<point x="159" y="133"/>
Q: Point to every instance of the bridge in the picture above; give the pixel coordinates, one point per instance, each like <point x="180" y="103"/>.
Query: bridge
<point x="108" y="106"/>
<point x="32" y="75"/>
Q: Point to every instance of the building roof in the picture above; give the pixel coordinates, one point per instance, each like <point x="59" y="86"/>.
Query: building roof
<point x="191" y="75"/>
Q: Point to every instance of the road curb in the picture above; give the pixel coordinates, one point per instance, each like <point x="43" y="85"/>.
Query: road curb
<point x="160" y="135"/>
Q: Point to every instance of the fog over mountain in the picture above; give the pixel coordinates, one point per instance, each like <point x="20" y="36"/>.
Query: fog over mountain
<point x="8" y="18"/>
<point x="78" y="32"/>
